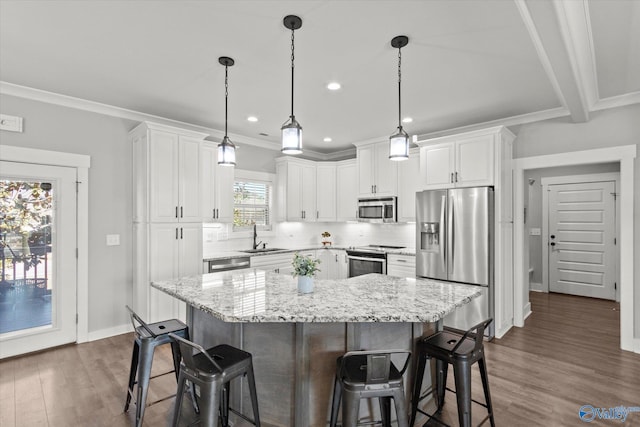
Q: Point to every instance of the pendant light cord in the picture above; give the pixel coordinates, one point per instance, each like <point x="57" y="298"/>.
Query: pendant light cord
<point x="292" y="67"/>
<point x="226" y="97"/>
<point x="399" y="91"/>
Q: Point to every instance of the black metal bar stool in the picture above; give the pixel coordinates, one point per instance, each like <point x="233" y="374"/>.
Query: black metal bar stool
<point x="369" y="374"/>
<point x="460" y="350"/>
<point x="148" y="337"/>
<point x="212" y="370"/>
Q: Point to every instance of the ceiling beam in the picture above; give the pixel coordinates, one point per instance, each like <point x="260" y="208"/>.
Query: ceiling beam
<point x="550" y="36"/>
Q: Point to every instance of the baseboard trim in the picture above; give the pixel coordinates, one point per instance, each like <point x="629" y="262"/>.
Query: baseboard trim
<point x="500" y="332"/>
<point x="527" y="310"/>
<point x="636" y="345"/>
<point x="109" y="332"/>
<point x="535" y="287"/>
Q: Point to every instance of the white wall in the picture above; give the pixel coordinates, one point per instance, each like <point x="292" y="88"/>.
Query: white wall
<point x="51" y="127"/>
<point x="608" y="128"/>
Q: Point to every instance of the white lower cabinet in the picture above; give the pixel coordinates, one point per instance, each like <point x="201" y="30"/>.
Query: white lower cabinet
<point x="277" y="263"/>
<point x="175" y="250"/>
<point x="333" y="264"/>
<point x="401" y="265"/>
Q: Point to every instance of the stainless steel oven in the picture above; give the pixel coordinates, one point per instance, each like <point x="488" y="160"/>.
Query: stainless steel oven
<point x="368" y="259"/>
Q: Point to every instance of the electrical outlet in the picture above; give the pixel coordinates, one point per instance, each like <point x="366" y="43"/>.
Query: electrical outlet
<point x="113" y="239"/>
<point x="535" y="231"/>
<point x="10" y="123"/>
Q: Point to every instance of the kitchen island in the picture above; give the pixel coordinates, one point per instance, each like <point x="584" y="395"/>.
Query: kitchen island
<point x="296" y="338"/>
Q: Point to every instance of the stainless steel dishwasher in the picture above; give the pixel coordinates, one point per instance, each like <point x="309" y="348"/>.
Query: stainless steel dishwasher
<point x="226" y="264"/>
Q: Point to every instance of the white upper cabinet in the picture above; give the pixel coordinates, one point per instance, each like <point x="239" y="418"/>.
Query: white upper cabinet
<point x="346" y="191"/>
<point x="296" y="189"/>
<point x="377" y="175"/>
<point x="461" y="161"/>
<point x="216" y="186"/>
<point x="166" y="173"/>
<point x="408" y="185"/>
<point x="325" y="192"/>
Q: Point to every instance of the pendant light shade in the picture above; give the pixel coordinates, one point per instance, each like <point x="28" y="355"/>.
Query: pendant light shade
<point x="399" y="141"/>
<point x="291" y="129"/>
<point x="226" y="148"/>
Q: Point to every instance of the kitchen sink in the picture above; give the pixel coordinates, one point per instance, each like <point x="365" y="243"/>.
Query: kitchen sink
<point x="259" y="251"/>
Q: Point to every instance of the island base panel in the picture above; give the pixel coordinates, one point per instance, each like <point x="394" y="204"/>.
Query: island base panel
<point x="295" y="363"/>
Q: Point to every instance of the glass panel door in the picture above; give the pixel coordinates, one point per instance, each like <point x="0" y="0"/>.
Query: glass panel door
<point x="26" y="258"/>
<point x="37" y="257"/>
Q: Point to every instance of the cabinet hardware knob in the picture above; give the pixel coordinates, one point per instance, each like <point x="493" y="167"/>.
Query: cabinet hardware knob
<point x="213" y="213"/>
<point x="456" y="176"/>
<point x="181" y="233"/>
<point x="180" y="211"/>
<point x="176" y="212"/>
<point x="452" y="177"/>
<point x="552" y="243"/>
<point x="553" y="236"/>
<point x="176" y="233"/>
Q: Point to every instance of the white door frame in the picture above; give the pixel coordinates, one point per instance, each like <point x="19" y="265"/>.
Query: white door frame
<point x="575" y="179"/>
<point x="626" y="156"/>
<point x="81" y="163"/>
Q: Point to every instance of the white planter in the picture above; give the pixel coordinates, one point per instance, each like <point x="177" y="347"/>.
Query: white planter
<point x="305" y="284"/>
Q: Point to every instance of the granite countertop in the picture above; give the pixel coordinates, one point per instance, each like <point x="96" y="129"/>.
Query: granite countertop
<point x="254" y="295"/>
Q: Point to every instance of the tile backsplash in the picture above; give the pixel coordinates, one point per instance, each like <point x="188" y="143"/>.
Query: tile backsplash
<point x="220" y="238"/>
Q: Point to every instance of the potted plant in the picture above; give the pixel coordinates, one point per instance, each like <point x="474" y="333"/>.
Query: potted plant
<point x="305" y="268"/>
<point x="326" y="238"/>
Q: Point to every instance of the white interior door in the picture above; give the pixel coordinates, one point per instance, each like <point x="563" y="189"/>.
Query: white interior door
<point x="581" y="239"/>
<point x="38" y="257"/>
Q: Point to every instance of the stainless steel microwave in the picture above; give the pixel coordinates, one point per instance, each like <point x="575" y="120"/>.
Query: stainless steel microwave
<point x="381" y="210"/>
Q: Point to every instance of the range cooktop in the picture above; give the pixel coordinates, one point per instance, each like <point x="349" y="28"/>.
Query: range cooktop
<point x="374" y="248"/>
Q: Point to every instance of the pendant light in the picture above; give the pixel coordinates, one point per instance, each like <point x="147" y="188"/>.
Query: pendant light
<point x="291" y="129"/>
<point x="399" y="141"/>
<point x="226" y="149"/>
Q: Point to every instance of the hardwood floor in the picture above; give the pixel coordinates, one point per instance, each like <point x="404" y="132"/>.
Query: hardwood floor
<point x="566" y="356"/>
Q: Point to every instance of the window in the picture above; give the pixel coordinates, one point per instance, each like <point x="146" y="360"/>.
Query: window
<point x="251" y="204"/>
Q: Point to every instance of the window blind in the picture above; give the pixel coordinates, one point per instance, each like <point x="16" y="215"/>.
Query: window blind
<point x="252" y="201"/>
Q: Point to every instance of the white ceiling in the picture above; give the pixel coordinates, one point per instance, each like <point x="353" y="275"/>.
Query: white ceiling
<point x="468" y="63"/>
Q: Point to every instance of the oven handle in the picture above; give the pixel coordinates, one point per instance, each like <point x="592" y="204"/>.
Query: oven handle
<point x="359" y="258"/>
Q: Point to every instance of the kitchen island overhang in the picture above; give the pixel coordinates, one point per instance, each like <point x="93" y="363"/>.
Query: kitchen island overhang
<point x="296" y="338"/>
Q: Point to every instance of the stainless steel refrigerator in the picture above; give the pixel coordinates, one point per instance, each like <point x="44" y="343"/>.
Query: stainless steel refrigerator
<point x="455" y="243"/>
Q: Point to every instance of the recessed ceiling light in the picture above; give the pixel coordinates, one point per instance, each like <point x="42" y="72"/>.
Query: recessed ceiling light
<point x="327" y="139"/>
<point x="407" y="120"/>
<point x="333" y="86"/>
<point x="252" y="118"/>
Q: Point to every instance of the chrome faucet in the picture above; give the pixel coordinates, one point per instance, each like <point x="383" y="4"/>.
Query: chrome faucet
<point x="255" y="237"/>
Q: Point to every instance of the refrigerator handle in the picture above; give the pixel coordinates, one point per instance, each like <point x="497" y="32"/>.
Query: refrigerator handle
<point x="443" y="242"/>
<point x="450" y="234"/>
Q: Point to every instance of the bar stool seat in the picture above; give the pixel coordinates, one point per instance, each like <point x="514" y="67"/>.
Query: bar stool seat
<point x="369" y="374"/>
<point x="212" y="370"/>
<point x="460" y="349"/>
<point x="148" y="336"/>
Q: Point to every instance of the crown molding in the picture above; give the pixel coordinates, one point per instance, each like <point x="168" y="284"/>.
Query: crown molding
<point x="617" y="101"/>
<point x="33" y="94"/>
<point x="509" y="121"/>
